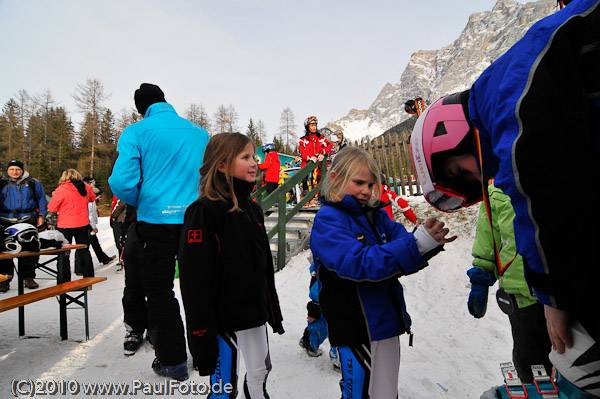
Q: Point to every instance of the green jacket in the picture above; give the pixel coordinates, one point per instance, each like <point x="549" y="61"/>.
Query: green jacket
<point x="503" y="214"/>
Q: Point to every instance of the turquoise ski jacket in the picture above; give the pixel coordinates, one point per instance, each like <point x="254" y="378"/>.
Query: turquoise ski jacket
<point x="157" y="168"/>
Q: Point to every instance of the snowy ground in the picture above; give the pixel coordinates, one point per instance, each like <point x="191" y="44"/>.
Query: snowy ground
<point x="454" y="355"/>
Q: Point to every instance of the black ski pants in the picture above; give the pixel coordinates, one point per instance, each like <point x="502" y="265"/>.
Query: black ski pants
<point x="83" y="258"/>
<point x="134" y="297"/>
<point x="100" y="254"/>
<point x="157" y="250"/>
<point x="531" y="344"/>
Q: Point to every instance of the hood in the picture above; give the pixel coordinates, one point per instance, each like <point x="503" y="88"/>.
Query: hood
<point x="79" y="185"/>
<point x="20" y="179"/>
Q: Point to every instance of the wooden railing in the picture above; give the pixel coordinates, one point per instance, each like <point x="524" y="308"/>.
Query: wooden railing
<point x="283" y="214"/>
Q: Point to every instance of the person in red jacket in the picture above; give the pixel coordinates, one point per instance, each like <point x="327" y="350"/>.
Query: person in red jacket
<point x="271" y="166"/>
<point x="389" y="195"/>
<point x="70" y="200"/>
<point x="312" y="147"/>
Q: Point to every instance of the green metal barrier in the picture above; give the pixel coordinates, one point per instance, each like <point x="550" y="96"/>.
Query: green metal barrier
<point x="283" y="215"/>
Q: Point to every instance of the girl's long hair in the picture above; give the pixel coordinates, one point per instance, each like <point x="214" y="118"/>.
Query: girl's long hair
<point x="346" y="165"/>
<point x="221" y="149"/>
<point x="69" y="174"/>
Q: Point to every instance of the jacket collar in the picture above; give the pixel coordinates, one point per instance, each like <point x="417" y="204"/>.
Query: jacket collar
<point x="157" y="108"/>
<point x="353" y="207"/>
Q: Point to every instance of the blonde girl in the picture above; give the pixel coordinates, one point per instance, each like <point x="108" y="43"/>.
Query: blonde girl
<point x="226" y="271"/>
<point x="359" y="254"/>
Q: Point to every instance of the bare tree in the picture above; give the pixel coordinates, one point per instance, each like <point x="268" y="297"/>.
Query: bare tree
<point x="197" y="114"/>
<point x="261" y="130"/>
<point x="287" y="129"/>
<point x="220" y="118"/>
<point x="89" y="99"/>
<point x="232" y="118"/>
<point x="45" y="101"/>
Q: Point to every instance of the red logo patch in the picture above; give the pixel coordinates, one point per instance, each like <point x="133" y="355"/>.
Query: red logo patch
<point x="194" y="235"/>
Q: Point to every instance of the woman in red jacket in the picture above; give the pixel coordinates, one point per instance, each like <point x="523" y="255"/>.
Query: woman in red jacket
<point x="70" y="200"/>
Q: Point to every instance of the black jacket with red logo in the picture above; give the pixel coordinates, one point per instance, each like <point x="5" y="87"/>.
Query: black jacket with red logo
<point x="226" y="273"/>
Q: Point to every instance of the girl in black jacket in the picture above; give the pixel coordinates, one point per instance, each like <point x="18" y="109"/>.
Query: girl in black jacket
<point x="226" y="271"/>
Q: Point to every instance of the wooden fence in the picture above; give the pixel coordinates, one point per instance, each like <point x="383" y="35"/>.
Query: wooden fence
<point x="392" y="154"/>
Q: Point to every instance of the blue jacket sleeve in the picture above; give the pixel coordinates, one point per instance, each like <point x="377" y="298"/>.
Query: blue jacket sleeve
<point x="127" y="173"/>
<point x="42" y="202"/>
<point x="337" y="247"/>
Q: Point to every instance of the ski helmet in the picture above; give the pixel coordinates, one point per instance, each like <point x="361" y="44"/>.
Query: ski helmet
<point x="441" y="127"/>
<point x="268" y="147"/>
<point x="20" y="237"/>
<point x="309" y="120"/>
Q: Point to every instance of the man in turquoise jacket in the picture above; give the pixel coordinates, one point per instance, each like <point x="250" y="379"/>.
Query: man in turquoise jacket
<point x="157" y="171"/>
<point x="531" y="344"/>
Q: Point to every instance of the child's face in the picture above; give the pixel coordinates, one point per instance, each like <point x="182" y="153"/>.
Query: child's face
<point x="361" y="186"/>
<point x="244" y="165"/>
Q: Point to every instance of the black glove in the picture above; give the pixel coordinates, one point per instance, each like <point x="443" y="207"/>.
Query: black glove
<point x="314" y="309"/>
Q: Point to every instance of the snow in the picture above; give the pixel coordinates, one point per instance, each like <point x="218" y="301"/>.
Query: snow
<point x="454" y="355"/>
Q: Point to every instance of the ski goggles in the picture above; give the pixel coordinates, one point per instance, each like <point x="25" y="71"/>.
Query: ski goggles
<point x="447" y="200"/>
<point x="12" y="247"/>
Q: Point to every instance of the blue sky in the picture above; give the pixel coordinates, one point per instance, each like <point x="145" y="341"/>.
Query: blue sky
<point x="320" y="58"/>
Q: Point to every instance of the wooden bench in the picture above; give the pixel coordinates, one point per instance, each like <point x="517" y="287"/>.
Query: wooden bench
<point x="61" y="290"/>
<point x="58" y="290"/>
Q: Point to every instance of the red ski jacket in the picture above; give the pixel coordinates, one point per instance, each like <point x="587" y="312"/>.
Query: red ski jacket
<point x="388" y="195"/>
<point x="311" y="145"/>
<point x="272" y="165"/>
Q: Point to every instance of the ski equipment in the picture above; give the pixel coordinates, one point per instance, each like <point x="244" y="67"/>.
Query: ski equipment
<point x="20" y="237"/>
<point x="268" y="147"/>
<point x="309" y="120"/>
<point x="132" y="342"/>
<point x="441" y="127"/>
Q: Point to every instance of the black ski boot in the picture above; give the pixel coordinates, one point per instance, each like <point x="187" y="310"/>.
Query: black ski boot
<point x="132" y="342"/>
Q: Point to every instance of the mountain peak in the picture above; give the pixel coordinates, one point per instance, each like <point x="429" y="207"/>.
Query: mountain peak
<point x="431" y="74"/>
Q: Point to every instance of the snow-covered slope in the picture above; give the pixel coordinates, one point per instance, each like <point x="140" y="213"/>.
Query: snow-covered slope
<point x="433" y="73"/>
<point x="454" y="356"/>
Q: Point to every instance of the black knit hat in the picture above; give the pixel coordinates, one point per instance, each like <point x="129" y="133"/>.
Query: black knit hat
<point x="147" y="95"/>
<point x="15" y="162"/>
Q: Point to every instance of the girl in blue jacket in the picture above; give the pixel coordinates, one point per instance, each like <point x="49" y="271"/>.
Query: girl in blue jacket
<point x="360" y="253"/>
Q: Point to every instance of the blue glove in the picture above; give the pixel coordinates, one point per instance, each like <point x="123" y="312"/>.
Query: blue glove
<point x="480" y="283"/>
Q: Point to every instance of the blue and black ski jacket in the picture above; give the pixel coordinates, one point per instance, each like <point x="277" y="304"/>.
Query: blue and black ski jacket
<point x="537" y="109"/>
<point x="22" y="198"/>
<point x="358" y="265"/>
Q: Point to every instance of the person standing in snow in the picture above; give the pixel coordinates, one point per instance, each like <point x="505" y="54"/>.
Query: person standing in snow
<point x="70" y="200"/>
<point x="157" y="172"/>
<point x="272" y="167"/>
<point x="226" y="271"/>
<point x="22" y="200"/>
<point x="93" y="216"/>
<point x="313" y="147"/>
<point x="505" y="114"/>
<point x="531" y="344"/>
<point x="360" y="254"/>
<point x="316" y="331"/>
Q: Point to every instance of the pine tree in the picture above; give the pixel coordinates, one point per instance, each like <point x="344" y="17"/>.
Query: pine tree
<point x="253" y="134"/>
<point x="278" y="144"/>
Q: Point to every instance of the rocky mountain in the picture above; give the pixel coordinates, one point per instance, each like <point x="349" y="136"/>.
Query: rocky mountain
<point x="433" y="73"/>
